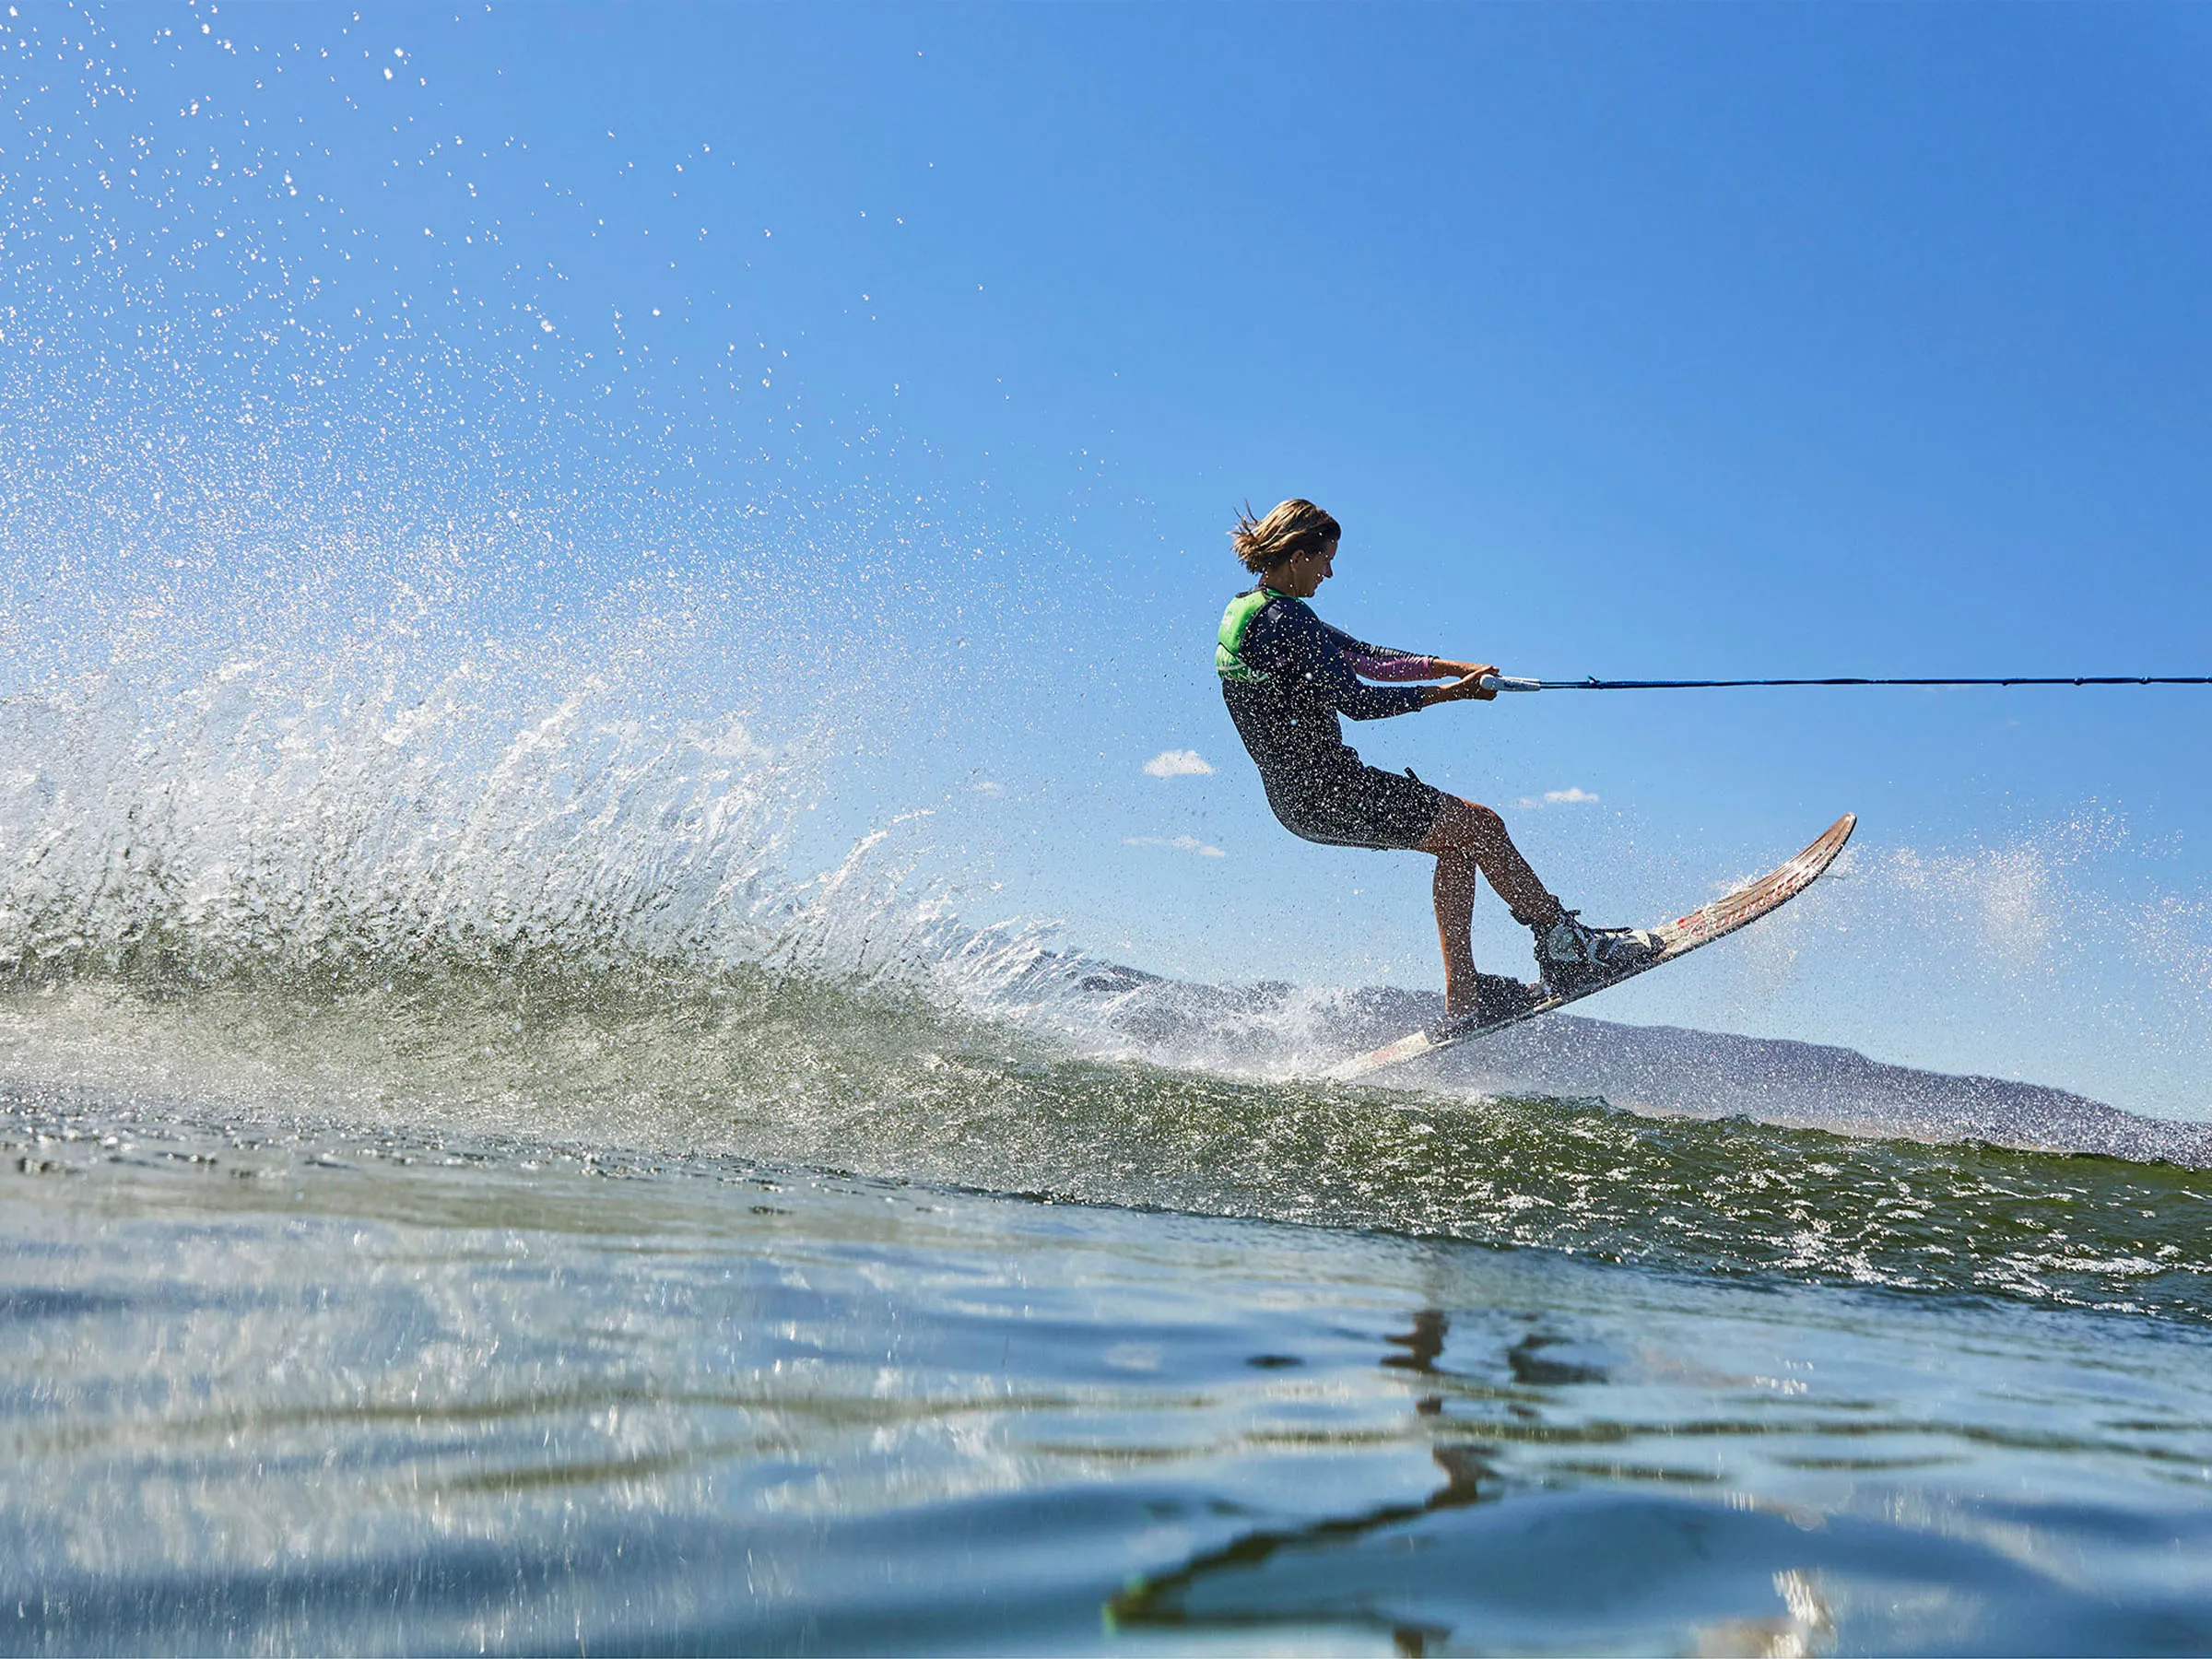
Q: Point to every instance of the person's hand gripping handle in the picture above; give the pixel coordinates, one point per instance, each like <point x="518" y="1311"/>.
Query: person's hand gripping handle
<point x="1476" y="680"/>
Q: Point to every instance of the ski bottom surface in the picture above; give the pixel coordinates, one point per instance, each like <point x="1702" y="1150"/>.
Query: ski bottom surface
<point x="1682" y="936"/>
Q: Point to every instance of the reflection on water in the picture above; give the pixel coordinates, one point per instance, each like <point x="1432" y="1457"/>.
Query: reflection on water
<point x="1179" y="1598"/>
<point x="1420" y="1342"/>
<point x="1551" y="1566"/>
<point x="277" y="1387"/>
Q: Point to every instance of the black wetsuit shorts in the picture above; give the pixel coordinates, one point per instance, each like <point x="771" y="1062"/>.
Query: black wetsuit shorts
<point x="1364" y="806"/>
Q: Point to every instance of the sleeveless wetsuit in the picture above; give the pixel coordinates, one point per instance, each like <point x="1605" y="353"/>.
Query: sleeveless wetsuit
<point x="1286" y="676"/>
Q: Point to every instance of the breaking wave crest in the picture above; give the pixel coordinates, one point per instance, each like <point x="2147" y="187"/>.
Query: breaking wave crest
<point x="429" y="912"/>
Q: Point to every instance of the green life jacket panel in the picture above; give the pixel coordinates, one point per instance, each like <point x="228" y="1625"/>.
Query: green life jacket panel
<point x="1236" y="621"/>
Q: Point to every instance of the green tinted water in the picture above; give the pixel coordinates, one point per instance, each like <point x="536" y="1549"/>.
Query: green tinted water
<point x="276" y="1388"/>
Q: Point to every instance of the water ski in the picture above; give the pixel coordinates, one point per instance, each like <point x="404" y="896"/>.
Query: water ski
<point x="1683" y="935"/>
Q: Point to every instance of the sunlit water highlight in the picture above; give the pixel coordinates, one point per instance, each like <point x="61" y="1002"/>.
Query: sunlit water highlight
<point x="464" y="1187"/>
<point x="309" y="1387"/>
<point x="516" y="1133"/>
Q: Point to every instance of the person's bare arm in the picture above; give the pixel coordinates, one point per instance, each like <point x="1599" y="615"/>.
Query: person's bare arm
<point x="1468" y="684"/>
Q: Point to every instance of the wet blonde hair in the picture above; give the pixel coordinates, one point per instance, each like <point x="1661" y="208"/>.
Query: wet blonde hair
<point x="1295" y="526"/>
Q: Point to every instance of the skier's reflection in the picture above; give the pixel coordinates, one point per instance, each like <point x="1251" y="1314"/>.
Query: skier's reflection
<point x="1175" y="1598"/>
<point x="1422" y="1344"/>
<point x="1465" y="1467"/>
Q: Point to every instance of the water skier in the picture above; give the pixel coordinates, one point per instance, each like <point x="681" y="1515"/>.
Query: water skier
<point x="1286" y="676"/>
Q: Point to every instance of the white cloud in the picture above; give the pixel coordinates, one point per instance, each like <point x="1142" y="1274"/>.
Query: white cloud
<point x="1181" y="844"/>
<point x="1178" y="763"/>
<point x="989" y="787"/>
<point x="1576" y="796"/>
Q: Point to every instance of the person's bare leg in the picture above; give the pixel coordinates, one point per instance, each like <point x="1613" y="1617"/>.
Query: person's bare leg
<point x="1467" y="837"/>
<point x="1454" y="893"/>
<point x="1463" y="826"/>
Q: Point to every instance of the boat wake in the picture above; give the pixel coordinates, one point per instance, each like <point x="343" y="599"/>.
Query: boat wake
<point x="423" y="912"/>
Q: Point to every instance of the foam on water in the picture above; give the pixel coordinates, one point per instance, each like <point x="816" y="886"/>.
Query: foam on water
<point x="581" y="923"/>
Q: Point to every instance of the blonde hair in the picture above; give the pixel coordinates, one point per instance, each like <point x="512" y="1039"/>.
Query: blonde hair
<point x="1295" y="526"/>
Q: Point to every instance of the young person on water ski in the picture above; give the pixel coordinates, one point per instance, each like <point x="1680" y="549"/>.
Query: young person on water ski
<point x="1286" y="676"/>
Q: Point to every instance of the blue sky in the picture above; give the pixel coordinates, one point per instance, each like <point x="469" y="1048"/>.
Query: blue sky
<point x="1642" y="341"/>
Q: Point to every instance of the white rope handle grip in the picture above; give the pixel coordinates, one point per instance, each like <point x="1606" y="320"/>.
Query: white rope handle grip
<point x="1500" y="682"/>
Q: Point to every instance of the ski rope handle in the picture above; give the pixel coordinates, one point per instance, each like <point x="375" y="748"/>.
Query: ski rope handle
<point x="1499" y="682"/>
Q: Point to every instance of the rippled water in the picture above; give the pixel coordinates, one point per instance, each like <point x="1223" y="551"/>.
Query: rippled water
<point x="511" y="1138"/>
<point x="758" y="1065"/>
<point x="460" y="1190"/>
<point x="303" y="1386"/>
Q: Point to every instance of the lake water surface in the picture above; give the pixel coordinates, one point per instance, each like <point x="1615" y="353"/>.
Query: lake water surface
<point x="282" y="1385"/>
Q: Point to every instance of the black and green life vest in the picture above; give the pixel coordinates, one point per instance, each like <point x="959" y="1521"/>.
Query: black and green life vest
<point x="1236" y="621"/>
